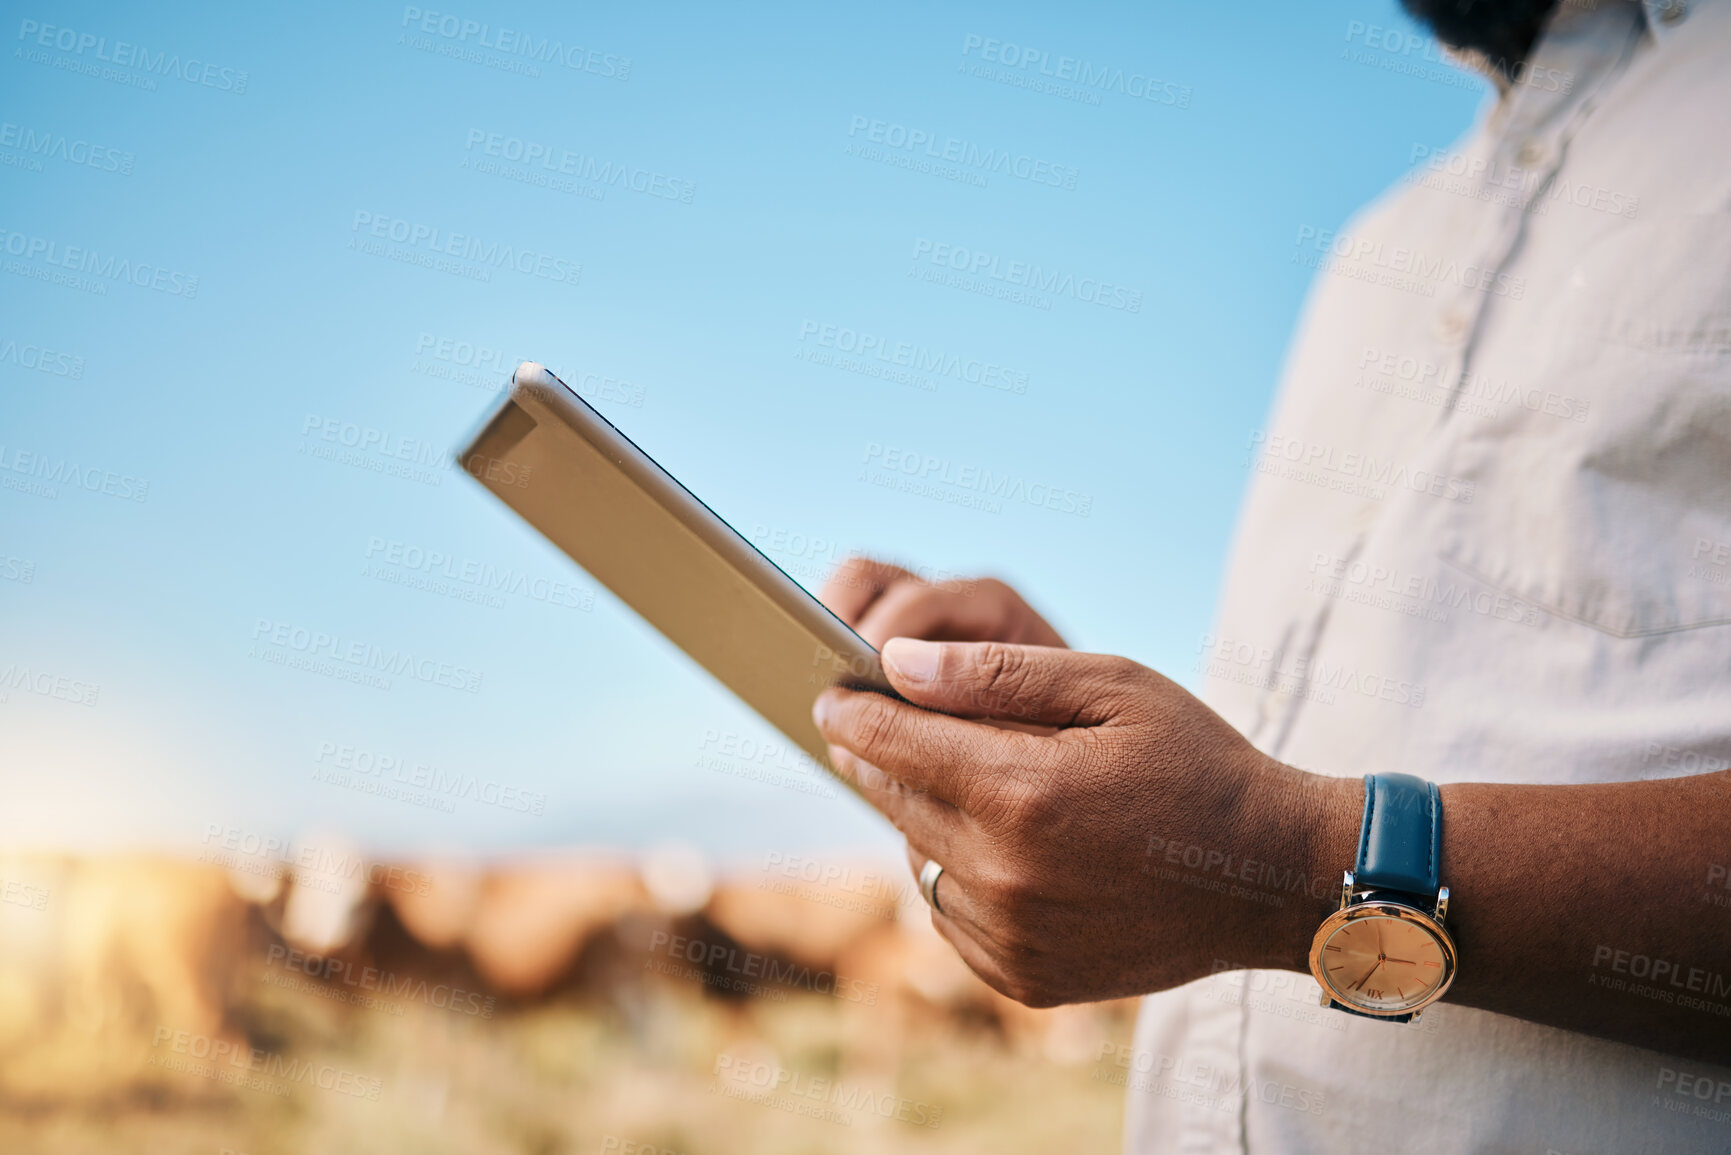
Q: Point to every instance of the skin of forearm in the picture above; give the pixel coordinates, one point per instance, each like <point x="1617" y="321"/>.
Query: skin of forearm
<point x="1602" y="909"/>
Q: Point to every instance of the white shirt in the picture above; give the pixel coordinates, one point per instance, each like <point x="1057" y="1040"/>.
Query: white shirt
<point x="1489" y="539"/>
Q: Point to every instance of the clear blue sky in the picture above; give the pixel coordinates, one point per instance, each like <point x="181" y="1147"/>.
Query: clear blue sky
<point x="369" y="195"/>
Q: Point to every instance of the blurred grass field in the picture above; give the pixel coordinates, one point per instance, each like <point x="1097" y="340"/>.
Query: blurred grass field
<point x="191" y="1028"/>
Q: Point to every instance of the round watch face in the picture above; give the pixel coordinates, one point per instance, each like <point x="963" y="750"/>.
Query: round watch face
<point x="1383" y="958"/>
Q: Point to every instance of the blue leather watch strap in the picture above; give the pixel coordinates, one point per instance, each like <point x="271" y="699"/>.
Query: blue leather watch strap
<point x="1399" y="845"/>
<point x="1400" y="839"/>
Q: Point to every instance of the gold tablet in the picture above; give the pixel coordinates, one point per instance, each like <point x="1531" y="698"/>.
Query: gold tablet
<point x="619" y="515"/>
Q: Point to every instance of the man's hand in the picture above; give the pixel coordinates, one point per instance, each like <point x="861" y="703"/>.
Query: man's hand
<point x="1139" y="842"/>
<point x="1103" y="833"/>
<point x="1058" y="849"/>
<point x="882" y="601"/>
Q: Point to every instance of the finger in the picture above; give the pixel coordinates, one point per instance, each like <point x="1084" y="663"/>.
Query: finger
<point x="956" y="902"/>
<point x="975" y="952"/>
<point x="913" y="609"/>
<point x="930" y="822"/>
<point x="856" y="584"/>
<point x="957" y="760"/>
<point x="952" y="896"/>
<point x="1038" y="684"/>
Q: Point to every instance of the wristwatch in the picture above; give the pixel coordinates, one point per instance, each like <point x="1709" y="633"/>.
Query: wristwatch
<point x="1385" y="953"/>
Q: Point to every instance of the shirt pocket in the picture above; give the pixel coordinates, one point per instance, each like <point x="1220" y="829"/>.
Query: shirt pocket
<point x="1602" y="480"/>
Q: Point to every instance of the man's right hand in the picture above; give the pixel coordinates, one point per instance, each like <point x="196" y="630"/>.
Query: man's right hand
<point x="882" y="601"/>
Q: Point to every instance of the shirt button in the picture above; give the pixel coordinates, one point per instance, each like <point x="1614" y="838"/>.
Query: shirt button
<point x="1451" y="326"/>
<point x="1671" y="11"/>
<point x="1530" y="154"/>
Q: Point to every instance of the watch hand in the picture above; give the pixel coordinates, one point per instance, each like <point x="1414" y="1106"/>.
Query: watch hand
<point x="1407" y="961"/>
<point x="1367" y="975"/>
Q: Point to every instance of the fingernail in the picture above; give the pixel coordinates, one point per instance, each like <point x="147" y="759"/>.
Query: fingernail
<point x="912" y="660"/>
<point x="820" y="710"/>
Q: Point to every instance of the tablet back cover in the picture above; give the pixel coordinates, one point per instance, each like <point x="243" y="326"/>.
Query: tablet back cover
<point x="579" y="481"/>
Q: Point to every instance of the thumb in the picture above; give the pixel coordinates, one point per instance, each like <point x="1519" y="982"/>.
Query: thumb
<point x="1038" y="684"/>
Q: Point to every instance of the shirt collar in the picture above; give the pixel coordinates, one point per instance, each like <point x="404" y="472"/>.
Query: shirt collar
<point x="1664" y="17"/>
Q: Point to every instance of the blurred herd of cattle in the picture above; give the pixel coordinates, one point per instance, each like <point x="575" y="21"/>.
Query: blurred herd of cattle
<point x="103" y="956"/>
